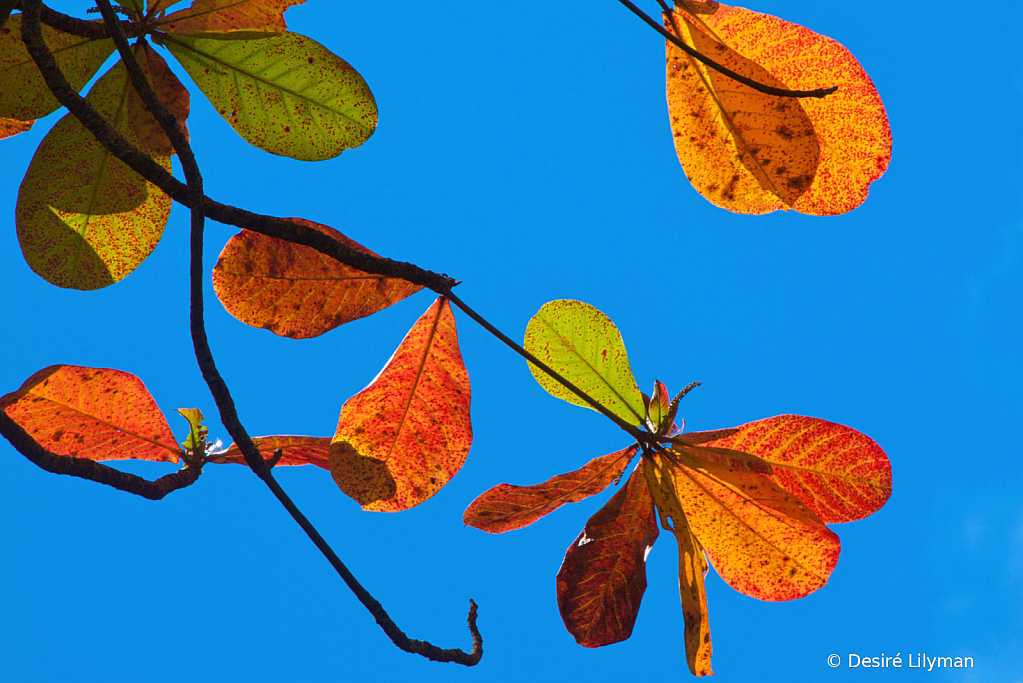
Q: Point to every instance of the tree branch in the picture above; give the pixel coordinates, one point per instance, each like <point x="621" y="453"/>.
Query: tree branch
<point x="73" y="25"/>
<point x="767" y="89"/>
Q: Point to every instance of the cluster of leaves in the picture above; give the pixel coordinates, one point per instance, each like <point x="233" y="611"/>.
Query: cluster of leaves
<point x="753" y="499"/>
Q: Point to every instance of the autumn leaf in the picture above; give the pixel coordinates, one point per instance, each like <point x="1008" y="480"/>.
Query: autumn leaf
<point x="151" y="137"/>
<point x="296" y="450"/>
<point x="93" y="413"/>
<point x="295" y="291"/>
<point x="602" y="580"/>
<point x="506" y="507"/>
<point x="11" y="127"/>
<point x="402" y="438"/>
<point x="751" y="152"/>
<point x="24" y="96"/>
<point x="582" y="344"/>
<point x="227" y="16"/>
<point x="285" y="93"/>
<point x="85" y="220"/>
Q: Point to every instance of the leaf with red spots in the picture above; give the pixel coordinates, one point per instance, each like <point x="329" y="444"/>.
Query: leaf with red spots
<point x="294" y="290"/>
<point x="171" y="92"/>
<point x="85" y="220"/>
<point x="403" y="437"/>
<point x="751" y="152"/>
<point x="285" y="93"/>
<point x="11" y="127"/>
<point x="506" y="507"/>
<point x="229" y="16"/>
<point x="92" y="413"/>
<point x="295" y="450"/>
<point x="603" y="577"/>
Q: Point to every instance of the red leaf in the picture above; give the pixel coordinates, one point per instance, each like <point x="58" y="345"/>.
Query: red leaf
<point x="295" y="291"/>
<point x="171" y="92"/>
<point x="603" y="577"/>
<point x="226" y="16"/>
<point x="11" y="127"/>
<point x="297" y="450"/>
<point x="506" y="507"/>
<point x="402" y="438"/>
<point x="92" y="413"/>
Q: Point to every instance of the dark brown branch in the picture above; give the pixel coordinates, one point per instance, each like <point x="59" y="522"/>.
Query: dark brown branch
<point x="6" y="7"/>
<point x="84" y="468"/>
<point x="76" y="26"/>
<point x="767" y="89"/>
<point x="221" y="393"/>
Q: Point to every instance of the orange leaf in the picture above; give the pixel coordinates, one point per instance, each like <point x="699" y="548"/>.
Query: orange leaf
<point x="402" y="438"/>
<point x="92" y="413"/>
<point x="11" y="127"/>
<point x="763" y="541"/>
<point x="841" y="474"/>
<point x="692" y="564"/>
<point x="506" y="507"/>
<point x="171" y="92"/>
<point x="711" y="114"/>
<point x="228" y="16"/>
<point x="602" y="580"/>
<point x="295" y="291"/>
<point x="297" y="450"/>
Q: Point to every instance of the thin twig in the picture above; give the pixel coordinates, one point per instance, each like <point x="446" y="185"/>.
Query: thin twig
<point x="767" y="89"/>
<point x="75" y="26"/>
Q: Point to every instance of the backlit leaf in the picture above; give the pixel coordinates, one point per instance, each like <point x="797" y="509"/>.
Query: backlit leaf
<point x="294" y="290"/>
<point x="92" y="413"/>
<point x="506" y="507"/>
<point x="285" y="94"/>
<point x="763" y="541"/>
<point x="692" y="564"/>
<point x="841" y="474"/>
<point x="584" y="346"/>
<point x="225" y="16"/>
<point x="403" y="437"/>
<point x="23" y="93"/>
<point x="85" y="220"/>
<point x="11" y="127"/>
<point x="851" y="125"/>
<point x="171" y="92"/>
<point x="296" y="450"/>
<point x="602" y="580"/>
<point x="195" y="443"/>
<point x="157" y="6"/>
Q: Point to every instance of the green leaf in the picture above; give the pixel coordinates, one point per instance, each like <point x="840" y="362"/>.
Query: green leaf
<point x="196" y="441"/>
<point x="23" y="93"/>
<point x="285" y="94"/>
<point x="584" y="346"/>
<point x="85" y="220"/>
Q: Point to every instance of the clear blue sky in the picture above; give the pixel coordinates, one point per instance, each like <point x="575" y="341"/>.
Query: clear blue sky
<point x="524" y="149"/>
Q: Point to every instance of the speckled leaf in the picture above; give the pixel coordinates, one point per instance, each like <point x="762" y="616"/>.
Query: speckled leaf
<point x="92" y="413"/>
<point x="171" y="92"/>
<point x="285" y="94"/>
<point x="584" y="346"/>
<point x="226" y="16"/>
<point x="603" y="578"/>
<point x="296" y="450"/>
<point x="23" y="93"/>
<point x="692" y="564"/>
<point x="157" y="6"/>
<point x="506" y="507"/>
<point x="762" y="540"/>
<point x="11" y="127"/>
<point x="402" y="438"/>
<point x="85" y="220"/>
<point x="841" y="474"/>
<point x="295" y="291"/>
<point x="850" y="126"/>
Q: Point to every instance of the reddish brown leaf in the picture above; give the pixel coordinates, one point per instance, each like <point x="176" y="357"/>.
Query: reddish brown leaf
<point x="228" y="16"/>
<point x="602" y="580"/>
<point x="763" y="541"/>
<point x="92" y="413"/>
<point x="171" y="92"/>
<point x="296" y="450"/>
<point x="295" y="291"/>
<point x="506" y="507"/>
<point x="11" y="127"/>
<point x="402" y="438"/>
<point x="841" y="474"/>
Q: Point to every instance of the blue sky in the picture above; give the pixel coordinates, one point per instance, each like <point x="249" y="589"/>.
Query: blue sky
<point x="524" y="149"/>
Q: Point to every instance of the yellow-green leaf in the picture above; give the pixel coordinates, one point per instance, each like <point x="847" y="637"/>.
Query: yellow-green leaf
<point x="23" y="93"/>
<point x="84" y="219"/>
<point x="285" y="94"/>
<point x="584" y="346"/>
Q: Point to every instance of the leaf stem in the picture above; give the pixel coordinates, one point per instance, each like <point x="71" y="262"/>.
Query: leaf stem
<point x="767" y="89"/>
